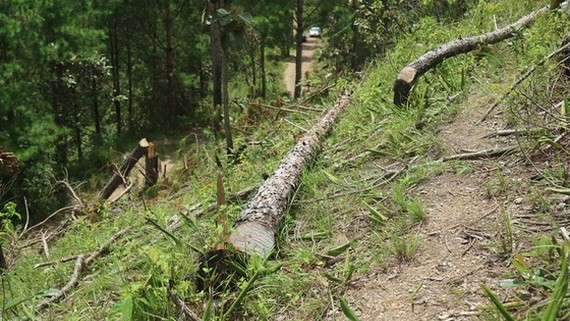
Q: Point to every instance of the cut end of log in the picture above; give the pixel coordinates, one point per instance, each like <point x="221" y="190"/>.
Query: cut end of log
<point x="408" y="74"/>
<point x="144" y="143"/>
<point x="403" y="85"/>
<point x="253" y="238"/>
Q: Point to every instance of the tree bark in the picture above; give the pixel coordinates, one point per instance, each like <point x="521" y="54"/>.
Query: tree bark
<point x="131" y="160"/>
<point x="151" y="166"/>
<point x="216" y="54"/>
<point x="414" y="70"/>
<point x="298" y="49"/>
<point x="257" y="226"/>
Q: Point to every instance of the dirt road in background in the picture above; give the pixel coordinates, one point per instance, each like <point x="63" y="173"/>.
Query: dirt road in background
<point x="309" y="49"/>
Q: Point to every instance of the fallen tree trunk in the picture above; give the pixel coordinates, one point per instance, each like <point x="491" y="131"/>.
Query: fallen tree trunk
<point x="414" y="70"/>
<point x="128" y="164"/>
<point x="256" y="227"/>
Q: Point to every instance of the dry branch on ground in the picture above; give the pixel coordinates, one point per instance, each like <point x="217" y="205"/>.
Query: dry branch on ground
<point x="82" y="261"/>
<point x="409" y="75"/>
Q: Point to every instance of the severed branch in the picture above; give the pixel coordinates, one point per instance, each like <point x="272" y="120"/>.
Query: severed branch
<point x="409" y="75"/>
<point x="523" y="78"/>
<point x="73" y="281"/>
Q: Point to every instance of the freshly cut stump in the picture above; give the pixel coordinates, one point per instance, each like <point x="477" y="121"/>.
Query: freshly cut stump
<point x="256" y="227"/>
<point x="414" y="70"/>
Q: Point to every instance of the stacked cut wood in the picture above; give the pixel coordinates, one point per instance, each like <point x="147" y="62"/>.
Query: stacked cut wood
<point x="9" y="163"/>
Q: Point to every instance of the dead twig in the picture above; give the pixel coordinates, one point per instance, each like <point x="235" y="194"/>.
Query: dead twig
<point x="523" y="78"/>
<point x="81" y="262"/>
<point x="45" y="245"/>
<point x="283" y="109"/>
<point x="492" y="152"/>
<point x="508" y="132"/>
<point x="62" y="260"/>
<point x="105" y="247"/>
<point x="180" y="304"/>
<point x="295" y="125"/>
<point x="50" y="216"/>
<point x="309" y="108"/>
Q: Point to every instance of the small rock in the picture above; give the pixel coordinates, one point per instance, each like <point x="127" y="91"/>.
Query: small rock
<point x="560" y="207"/>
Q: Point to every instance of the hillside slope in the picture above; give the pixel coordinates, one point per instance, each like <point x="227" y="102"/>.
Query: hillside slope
<point x="378" y="220"/>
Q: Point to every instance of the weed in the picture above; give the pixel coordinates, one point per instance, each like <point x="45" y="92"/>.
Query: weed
<point x="404" y="247"/>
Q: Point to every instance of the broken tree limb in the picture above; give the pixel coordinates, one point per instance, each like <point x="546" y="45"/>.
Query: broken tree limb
<point x="257" y="225"/>
<point x="82" y="261"/>
<point x="128" y="164"/>
<point x="73" y="281"/>
<point x="414" y="70"/>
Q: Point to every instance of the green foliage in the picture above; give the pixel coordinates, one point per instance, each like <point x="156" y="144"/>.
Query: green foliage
<point x="7" y="216"/>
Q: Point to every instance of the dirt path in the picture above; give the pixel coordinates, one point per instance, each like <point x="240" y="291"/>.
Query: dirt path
<point x="458" y="242"/>
<point x="309" y="49"/>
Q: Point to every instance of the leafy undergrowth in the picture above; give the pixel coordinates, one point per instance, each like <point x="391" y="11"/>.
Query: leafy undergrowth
<point x="354" y="211"/>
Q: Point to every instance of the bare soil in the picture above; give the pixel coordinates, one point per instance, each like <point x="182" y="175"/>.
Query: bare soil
<point x="309" y="48"/>
<point x="460" y="242"/>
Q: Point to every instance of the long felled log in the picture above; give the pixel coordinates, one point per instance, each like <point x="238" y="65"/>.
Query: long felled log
<point x="128" y="164"/>
<point x="256" y="227"/>
<point x="414" y="70"/>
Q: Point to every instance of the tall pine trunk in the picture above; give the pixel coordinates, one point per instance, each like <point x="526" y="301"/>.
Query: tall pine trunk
<point x="115" y="64"/>
<point x="169" y="55"/>
<point x="262" y="66"/>
<point x="299" y="49"/>
<point x="130" y="84"/>
<point x="95" y="98"/>
<point x="216" y="54"/>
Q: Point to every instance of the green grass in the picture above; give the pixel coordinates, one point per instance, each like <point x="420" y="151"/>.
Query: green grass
<point x="332" y="207"/>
